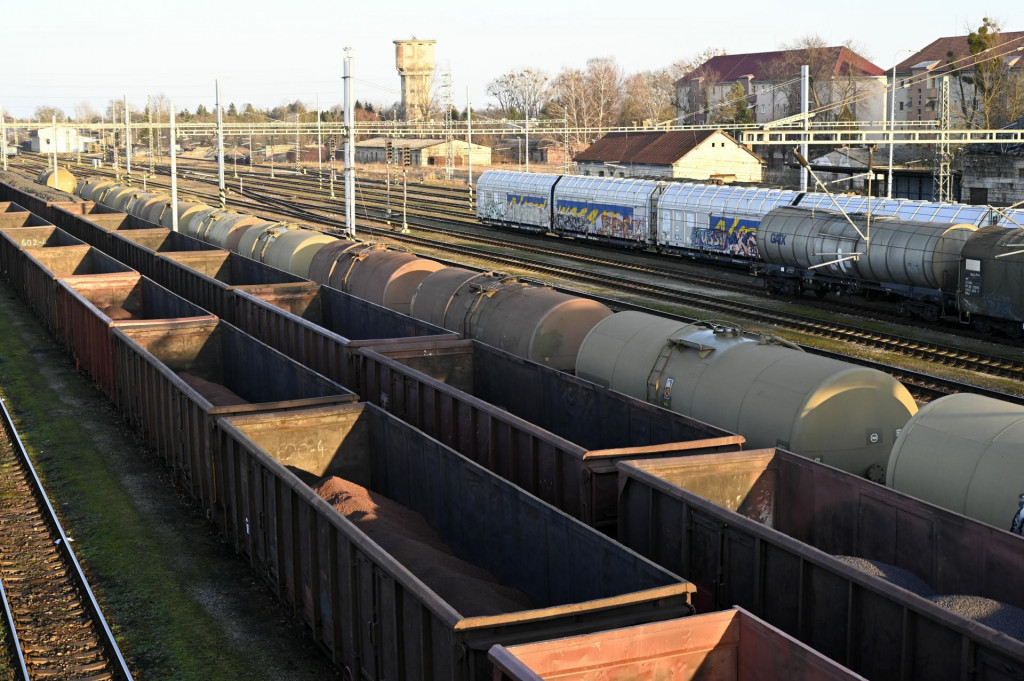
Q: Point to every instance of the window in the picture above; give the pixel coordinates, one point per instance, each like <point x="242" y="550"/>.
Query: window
<point x="762" y="108"/>
<point x="1020" y="173"/>
<point x="901" y="106"/>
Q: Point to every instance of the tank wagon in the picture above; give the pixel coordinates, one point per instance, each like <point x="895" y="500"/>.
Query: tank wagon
<point x="920" y="260"/>
<point x="966" y="453"/>
<point x="61" y="179"/>
<point x="772" y="393"/>
<point x="722" y="223"/>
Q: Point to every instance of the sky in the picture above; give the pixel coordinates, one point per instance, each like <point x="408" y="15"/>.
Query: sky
<point x="63" y="53"/>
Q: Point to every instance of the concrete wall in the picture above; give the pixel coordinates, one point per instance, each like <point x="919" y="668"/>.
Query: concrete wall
<point x="995" y="179"/>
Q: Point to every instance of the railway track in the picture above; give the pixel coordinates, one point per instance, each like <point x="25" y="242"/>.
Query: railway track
<point x="672" y="291"/>
<point x="55" y="626"/>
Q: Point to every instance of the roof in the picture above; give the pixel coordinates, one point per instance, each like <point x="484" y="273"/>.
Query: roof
<point x="651" y="148"/>
<point x="765" y="65"/>
<point x="378" y="143"/>
<point x="939" y="50"/>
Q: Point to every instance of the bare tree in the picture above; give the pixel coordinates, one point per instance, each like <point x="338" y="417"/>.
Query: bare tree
<point x="85" y="112"/>
<point x="835" y="84"/>
<point x="990" y="91"/>
<point x="588" y="98"/>
<point x="46" y="113"/>
<point x="519" y="92"/>
<point x="649" y="96"/>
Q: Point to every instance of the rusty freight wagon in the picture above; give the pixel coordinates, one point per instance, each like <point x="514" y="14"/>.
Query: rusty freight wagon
<point x="92" y="222"/>
<point x="138" y="248"/>
<point x="175" y="378"/>
<point x="16" y="215"/>
<point x="42" y="266"/>
<point x="763" y="529"/>
<point x="89" y="306"/>
<point x="321" y="326"/>
<point x="398" y="576"/>
<point x="14" y="239"/>
<point x="732" y="645"/>
<point x="208" y="278"/>
<point x="554" y="435"/>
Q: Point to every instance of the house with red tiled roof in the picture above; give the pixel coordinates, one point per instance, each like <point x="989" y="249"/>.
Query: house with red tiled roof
<point x="844" y="85"/>
<point x="695" y="155"/>
<point x="919" y="76"/>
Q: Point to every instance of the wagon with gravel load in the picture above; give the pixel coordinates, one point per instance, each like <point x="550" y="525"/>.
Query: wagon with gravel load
<point x="175" y="378"/>
<point x="857" y="571"/>
<point x="390" y="603"/>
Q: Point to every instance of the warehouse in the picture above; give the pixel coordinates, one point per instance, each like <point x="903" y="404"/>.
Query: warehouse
<point x="695" y="155"/>
<point x="422" y="152"/>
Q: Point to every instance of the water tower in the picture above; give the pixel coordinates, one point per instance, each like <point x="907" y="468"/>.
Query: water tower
<point x="415" y="62"/>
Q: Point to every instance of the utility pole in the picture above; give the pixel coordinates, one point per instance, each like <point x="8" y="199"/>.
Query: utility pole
<point x="127" y="145"/>
<point x="526" y="127"/>
<point x="220" y="149"/>
<point x="942" y="182"/>
<point x="469" y="143"/>
<point x="251" y="152"/>
<point x="174" y="174"/>
<point x="805" y="77"/>
<point x="3" y="137"/>
<point x="332" y="148"/>
<point x="149" y="109"/>
<point x="449" y="133"/>
<point x="389" y="157"/>
<point x="319" y="146"/>
<point x="298" y="148"/>
<point x="55" y="171"/>
<point x="350" y="149"/>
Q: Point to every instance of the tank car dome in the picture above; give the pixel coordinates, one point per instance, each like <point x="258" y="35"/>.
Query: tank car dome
<point x="776" y="396"/>
<point x="965" y="453"/>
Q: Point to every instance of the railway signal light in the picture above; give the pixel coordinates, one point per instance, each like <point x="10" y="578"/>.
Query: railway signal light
<point x="406" y="157"/>
<point x="389" y="152"/>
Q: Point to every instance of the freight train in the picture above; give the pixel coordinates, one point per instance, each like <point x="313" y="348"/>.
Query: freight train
<point x="770" y="392"/>
<point x="822" y="408"/>
<point x="947" y="261"/>
<point x="850" y="615"/>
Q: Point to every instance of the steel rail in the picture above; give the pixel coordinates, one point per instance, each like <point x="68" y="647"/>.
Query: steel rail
<point x="65" y="548"/>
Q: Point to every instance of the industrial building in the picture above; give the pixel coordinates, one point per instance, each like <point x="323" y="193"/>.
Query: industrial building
<point x="422" y="152"/>
<point x="66" y="139"/>
<point x="695" y="155"/>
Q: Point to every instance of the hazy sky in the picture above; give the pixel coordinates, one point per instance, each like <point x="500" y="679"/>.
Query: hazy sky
<point x="62" y="53"/>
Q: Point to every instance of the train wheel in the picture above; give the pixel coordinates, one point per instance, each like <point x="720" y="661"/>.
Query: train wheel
<point x="929" y="313"/>
<point x="790" y="288"/>
<point x="981" y="325"/>
<point x="821" y="290"/>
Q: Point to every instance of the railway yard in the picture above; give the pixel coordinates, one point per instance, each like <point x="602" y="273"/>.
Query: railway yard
<point x="281" y="453"/>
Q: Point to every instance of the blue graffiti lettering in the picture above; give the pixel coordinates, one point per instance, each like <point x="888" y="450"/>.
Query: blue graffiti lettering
<point x="777" y="238"/>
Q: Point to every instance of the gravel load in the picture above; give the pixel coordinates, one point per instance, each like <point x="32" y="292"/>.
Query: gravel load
<point x="405" y="534"/>
<point x="905" y="579"/>
<point x="1003" y="617"/>
<point x="215" y="393"/>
